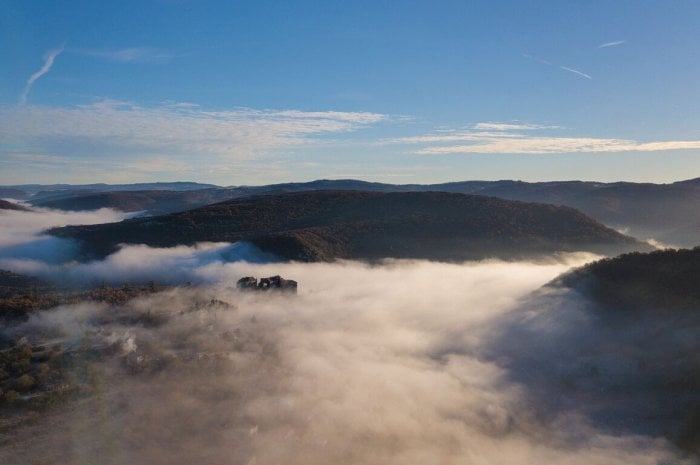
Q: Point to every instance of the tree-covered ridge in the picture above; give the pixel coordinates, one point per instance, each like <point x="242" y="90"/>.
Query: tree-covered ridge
<point x="663" y="281"/>
<point x="5" y="205"/>
<point x="328" y="225"/>
<point x="37" y="370"/>
<point x="669" y="213"/>
<point x="61" y="354"/>
<point x="20" y="295"/>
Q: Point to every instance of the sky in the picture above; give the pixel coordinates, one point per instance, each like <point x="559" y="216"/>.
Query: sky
<point x="257" y="92"/>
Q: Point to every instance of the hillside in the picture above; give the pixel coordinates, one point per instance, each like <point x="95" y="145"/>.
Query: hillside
<point x="10" y="280"/>
<point x="156" y="202"/>
<point x="20" y="294"/>
<point x="152" y="201"/>
<point x="633" y="353"/>
<point x="669" y="213"/>
<point x="11" y="193"/>
<point x="663" y="282"/>
<point x="5" y="205"/>
<point x="328" y="225"/>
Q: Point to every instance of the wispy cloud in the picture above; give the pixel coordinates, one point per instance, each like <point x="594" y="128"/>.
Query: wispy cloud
<point x="510" y="127"/>
<point x="133" y="138"/>
<point x="577" y="72"/>
<point x="545" y="145"/>
<point x="46" y="67"/>
<point x="562" y="67"/>
<point x="130" y="55"/>
<point x="614" y="43"/>
<point x="513" y="142"/>
<point x="537" y="59"/>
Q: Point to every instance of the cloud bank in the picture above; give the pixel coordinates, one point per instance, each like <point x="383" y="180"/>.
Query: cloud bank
<point x="631" y="372"/>
<point x="53" y="259"/>
<point x="352" y="370"/>
<point x="505" y="138"/>
<point x="167" y="139"/>
<point x="401" y="362"/>
<point x="23" y="247"/>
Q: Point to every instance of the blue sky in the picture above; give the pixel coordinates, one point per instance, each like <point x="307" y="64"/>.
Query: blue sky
<point x="257" y="92"/>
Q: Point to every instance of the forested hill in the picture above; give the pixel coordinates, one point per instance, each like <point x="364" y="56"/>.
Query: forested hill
<point x="663" y="282"/>
<point x="669" y="213"/>
<point x="328" y="225"/>
<point x="151" y="201"/>
<point x="5" y="205"/>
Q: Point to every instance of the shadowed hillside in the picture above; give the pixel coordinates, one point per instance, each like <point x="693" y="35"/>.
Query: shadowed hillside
<point x="20" y="295"/>
<point x="664" y="281"/>
<point x="5" y="205"/>
<point x="327" y="225"/>
<point x="669" y="213"/>
<point x="628" y="351"/>
<point x="152" y="201"/>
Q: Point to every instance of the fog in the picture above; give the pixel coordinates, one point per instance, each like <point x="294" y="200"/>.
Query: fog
<point x="24" y="248"/>
<point x="402" y="362"/>
<point x="625" y="371"/>
<point x="367" y="364"/>
<point x="20" y="226"/>
<point x="136" y="264"/>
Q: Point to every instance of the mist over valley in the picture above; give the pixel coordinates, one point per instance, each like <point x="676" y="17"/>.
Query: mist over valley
<point x="397" y="359"/>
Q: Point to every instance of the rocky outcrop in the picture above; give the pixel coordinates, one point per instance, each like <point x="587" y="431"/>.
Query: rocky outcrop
<point x="249" y="283"/>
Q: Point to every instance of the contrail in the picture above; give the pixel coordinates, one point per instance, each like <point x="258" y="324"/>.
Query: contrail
<point x="50" y="57"/>
<point x="575" y="71"/>
<point x="612" y="44"/>
<point x="549" y="63"/>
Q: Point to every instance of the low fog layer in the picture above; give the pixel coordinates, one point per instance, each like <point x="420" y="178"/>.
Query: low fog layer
<point x="24" y="248"/>
<point x="390" y="364"/>
<point x="139" y="264"/>
<point x="404" y="362"/>
<point x="18" y="226"/>
<point x="625" y="369"/>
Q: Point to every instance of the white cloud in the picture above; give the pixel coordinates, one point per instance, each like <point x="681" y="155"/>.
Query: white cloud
<point x="510" y="127"/>
<point x="504" y="138"/>
<point x="543" y="145"/>
<point x="614" y="43"/>
<point x="46" y="67"/>
<point x="120" y="131"/>
<point x="17" y="227"/>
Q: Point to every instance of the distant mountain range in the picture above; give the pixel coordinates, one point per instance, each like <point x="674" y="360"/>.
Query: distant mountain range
<point x="328" y="225"/>
<point x="669" y="213"/>
<point x="152" y="202"/>
<point x="26" y="191"/>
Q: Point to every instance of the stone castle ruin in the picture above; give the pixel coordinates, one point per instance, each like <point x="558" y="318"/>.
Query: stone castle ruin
<point x="273" y="283"/>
